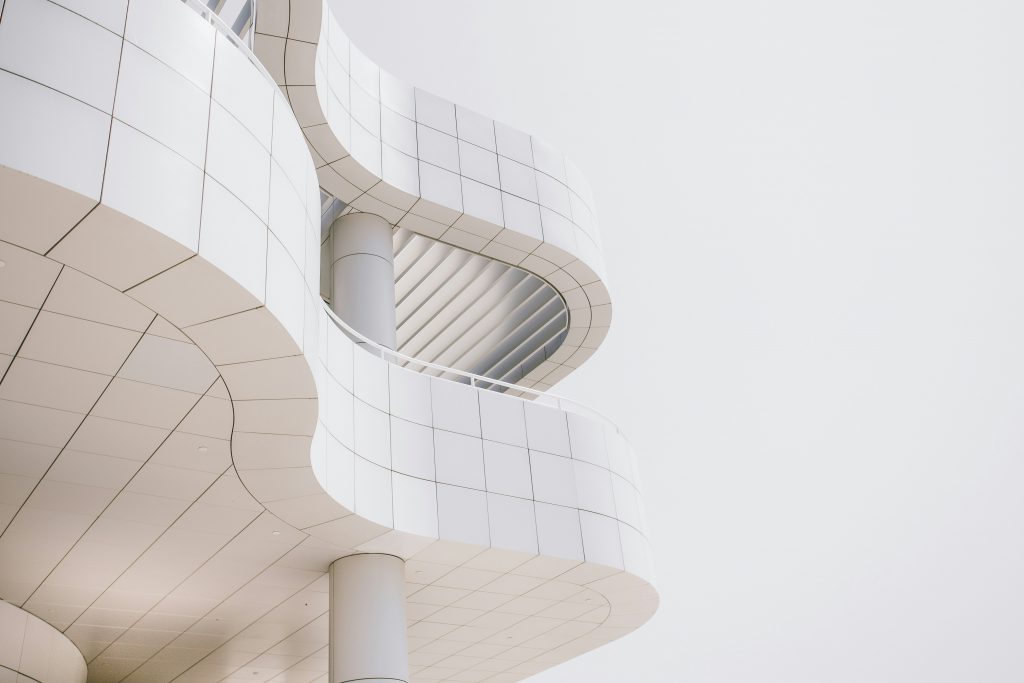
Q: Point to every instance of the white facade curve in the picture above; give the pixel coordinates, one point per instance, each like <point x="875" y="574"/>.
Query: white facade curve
<point x="439" y="169"/>
<point x="189" y="439"/>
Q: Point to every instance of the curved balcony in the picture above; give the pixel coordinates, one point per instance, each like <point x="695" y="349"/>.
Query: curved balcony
<point x="440" y="170"/>
<point x="217" y="438"/>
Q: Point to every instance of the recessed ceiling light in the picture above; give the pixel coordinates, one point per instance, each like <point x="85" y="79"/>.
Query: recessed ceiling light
<point x="277" y="533"/>
<point x="202" y="449"/>
<point x="3" y="263"/>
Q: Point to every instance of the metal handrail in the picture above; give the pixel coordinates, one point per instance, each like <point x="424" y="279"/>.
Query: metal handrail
<point x="478" y="381"/>
<point x="245" y="46"/>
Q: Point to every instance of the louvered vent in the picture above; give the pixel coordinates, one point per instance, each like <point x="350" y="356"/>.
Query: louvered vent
<point x="463" y="310"/>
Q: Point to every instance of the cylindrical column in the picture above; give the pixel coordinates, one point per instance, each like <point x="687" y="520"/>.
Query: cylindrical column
<point x="363" y="275"/>
<point x="368" y="640"/>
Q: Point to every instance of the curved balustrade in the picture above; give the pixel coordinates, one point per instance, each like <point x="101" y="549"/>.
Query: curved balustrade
<point x="440" y="170"/>
<point x="146" y="160"/>
<point x="389" y="433"/>
<point x="541" y="397"/>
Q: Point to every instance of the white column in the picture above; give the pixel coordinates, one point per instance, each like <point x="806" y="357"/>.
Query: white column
<point x="368" y="640"/>
<point x="363" y="275"/>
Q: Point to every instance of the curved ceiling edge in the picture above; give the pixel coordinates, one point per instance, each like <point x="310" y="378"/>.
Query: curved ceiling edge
<point x="438" y="169"/>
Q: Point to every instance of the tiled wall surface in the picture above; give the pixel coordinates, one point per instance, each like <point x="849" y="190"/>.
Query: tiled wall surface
<point x="439" y="169"/>
<point x="148" y="112"/>
<point x="226" y="251"/>
<point x="441" y="459"/>
<point x="142" y="148"/>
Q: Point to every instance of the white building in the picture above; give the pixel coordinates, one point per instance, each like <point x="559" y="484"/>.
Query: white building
<point x="275" y="335"/>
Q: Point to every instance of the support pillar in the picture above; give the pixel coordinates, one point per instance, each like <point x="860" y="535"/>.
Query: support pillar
<point x="368" y="640"/>
<point x="363" y="275"/>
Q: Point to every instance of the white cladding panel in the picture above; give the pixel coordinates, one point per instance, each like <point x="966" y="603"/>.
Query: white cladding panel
<point x="338" y="448"/>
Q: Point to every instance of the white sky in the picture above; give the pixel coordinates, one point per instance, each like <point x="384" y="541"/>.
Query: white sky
<point x="814" y="225"/>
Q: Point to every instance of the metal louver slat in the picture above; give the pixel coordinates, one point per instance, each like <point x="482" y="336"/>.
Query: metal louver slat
<point x="507" y="341"/>
<point x="464" y="310"/>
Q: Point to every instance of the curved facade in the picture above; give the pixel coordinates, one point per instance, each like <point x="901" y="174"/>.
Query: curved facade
<point x="190" y="440"/>
<point x="439" y="169"/>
